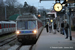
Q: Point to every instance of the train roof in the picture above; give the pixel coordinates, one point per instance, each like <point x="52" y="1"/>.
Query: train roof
<point x="7" y="22"/>
<point x="27" y="17"/>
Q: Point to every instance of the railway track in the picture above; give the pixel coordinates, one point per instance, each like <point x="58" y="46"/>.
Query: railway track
<point x="19" y="47"/>
<point x="24" y="46"/>
<point x="7" y="40"/>
<point x="29" y="47"/>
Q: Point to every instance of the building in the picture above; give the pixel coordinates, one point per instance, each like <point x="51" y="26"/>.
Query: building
<point x="72" y="13"/>
<point x="1" y="2"/>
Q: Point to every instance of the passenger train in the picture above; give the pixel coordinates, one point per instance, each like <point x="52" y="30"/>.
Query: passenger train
<point x="7" y="27"/>
<point x="28" y="28"/>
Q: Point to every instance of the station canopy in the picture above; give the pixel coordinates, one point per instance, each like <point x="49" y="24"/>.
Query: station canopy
<point x="13" y="17"/>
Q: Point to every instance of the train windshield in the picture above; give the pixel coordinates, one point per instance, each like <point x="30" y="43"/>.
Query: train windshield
<point x="23" y="25"/>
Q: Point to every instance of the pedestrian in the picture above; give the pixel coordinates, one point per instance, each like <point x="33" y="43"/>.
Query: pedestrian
<point x="66" y="26"/>
<point x="62" y="28"/>
<point x="50" y="28"/>
<point x="46" y="27"/>
<point x="55" y="26"/>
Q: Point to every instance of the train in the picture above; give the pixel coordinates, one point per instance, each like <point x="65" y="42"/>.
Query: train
<point x="28" y="28"/>
<point x="7" y="27"/>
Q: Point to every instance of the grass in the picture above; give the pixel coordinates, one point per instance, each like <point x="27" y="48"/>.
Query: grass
<point x="7" y="36"/>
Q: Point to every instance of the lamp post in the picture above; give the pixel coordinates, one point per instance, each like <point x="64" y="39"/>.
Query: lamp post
<point x="5" y="11"/>
<point x="70" y="22"/>
<point x="51" y="20"/>
<point x="68" y="10"/>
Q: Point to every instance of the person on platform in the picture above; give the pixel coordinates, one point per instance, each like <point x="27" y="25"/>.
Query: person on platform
<point x="55" y="26"/>
<point x="46" y="27"/>
<point x="66" y="26"/>
<point x="62" y="28"/>
<point x="50" y="28"/>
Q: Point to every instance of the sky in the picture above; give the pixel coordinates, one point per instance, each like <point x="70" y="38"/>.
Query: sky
<point x="37" y="4"/>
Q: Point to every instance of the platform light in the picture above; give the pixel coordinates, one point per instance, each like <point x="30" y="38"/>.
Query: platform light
<point x="51" y="20"/>
<point x="66" y="0"/>
<point x="64" y="3"/>
<point x="72" y="10"/>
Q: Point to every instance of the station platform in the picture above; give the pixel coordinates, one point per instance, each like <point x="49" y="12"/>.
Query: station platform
<point x="50" y="41"/>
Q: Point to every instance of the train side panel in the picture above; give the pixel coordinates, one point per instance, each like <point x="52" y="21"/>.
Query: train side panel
<point x="6" y="27"/>
<point x="39" y="27"/>
<point x="0" y="29"/>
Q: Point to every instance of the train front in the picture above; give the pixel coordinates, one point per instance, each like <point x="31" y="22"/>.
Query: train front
<point x="26" y="31"/>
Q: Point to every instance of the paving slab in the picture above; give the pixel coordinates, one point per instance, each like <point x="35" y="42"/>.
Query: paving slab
<point x="50" y="41"/>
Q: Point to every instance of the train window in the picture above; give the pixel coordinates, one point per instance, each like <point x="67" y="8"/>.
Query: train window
<point x="0" y="26"/>
<point x="8" y="26"/>
<point x="31" y="24"/>
<point x="12" y="25"/>
<point x="19" y="25"/>
<point x="4" y="25"/>
<point x="26" y="25"/>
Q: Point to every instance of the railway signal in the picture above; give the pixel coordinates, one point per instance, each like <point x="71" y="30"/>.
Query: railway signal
<point x="39" y="15"/>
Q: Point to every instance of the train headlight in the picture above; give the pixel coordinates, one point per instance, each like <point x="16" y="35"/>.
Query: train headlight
<point x="35" y="31"/>
<point x="17" y="32"/>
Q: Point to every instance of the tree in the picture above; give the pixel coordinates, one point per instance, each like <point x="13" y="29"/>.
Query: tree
<point x="11" y="9"/>
<point x="29" y="9"/>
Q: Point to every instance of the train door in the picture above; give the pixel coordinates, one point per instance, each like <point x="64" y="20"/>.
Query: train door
<point x="2" y="25"/>
<point x="0" y="29"/>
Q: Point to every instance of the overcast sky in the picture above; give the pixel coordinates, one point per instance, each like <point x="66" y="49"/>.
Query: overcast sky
<point x="36" y="3"/>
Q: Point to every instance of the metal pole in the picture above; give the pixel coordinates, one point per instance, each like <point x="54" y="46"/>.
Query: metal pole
<point x="5" y="13"/>
<point x="70" y="23"/>
<point x="70" y="27"/>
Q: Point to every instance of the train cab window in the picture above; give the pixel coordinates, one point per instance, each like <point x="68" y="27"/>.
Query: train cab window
<point x="31" y="24"/>
<point x="26" y="24"/>
<point x="23" y="25"/>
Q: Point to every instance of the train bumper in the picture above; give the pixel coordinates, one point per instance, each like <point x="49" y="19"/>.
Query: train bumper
<point x="26" y="37"/>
